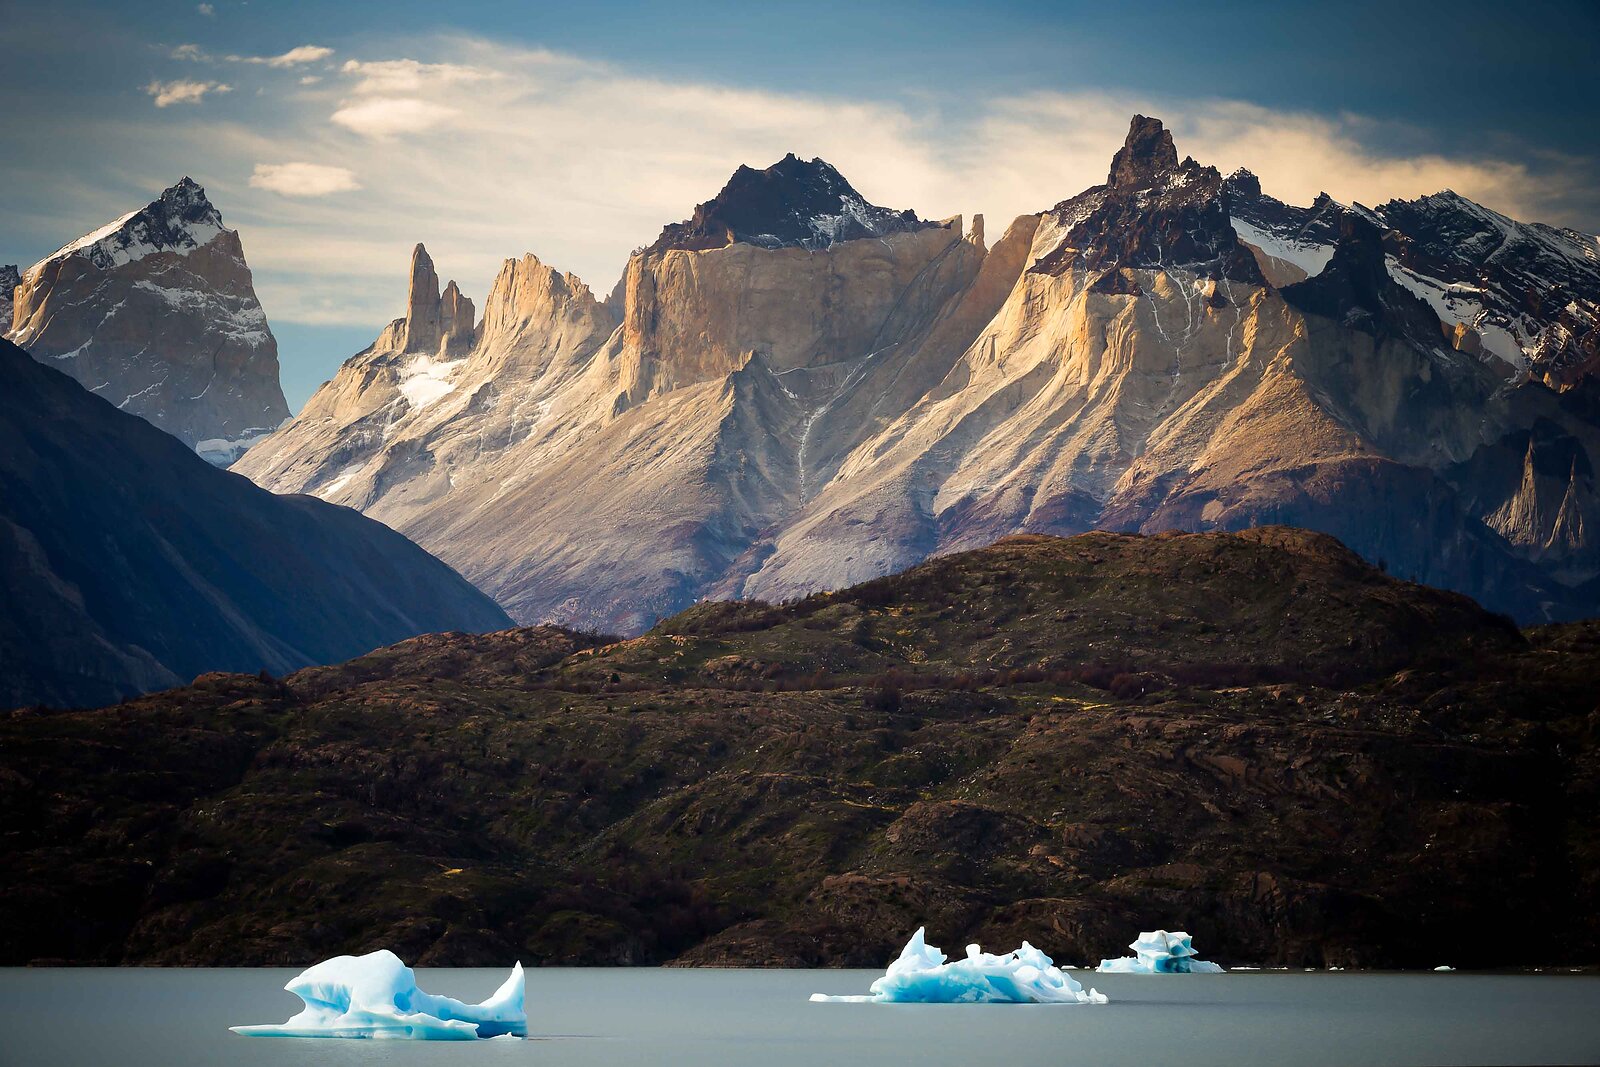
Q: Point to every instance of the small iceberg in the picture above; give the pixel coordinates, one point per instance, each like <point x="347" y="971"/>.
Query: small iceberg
<point x="1160" y="952"/>
<point x="921" y="976"/>
<point x="376" y="995"/>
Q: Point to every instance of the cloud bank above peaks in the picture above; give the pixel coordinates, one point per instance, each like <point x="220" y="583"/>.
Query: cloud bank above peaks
<point x="485" y="151"/>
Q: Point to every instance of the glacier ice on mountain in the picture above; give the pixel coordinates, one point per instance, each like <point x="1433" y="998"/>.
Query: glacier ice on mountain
<point x="1160" y="952"/>
<point x="376" y="996"/>
<point x="921" y="976"/>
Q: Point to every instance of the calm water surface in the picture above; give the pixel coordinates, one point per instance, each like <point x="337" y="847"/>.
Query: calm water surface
<point x="641" y="1018"/>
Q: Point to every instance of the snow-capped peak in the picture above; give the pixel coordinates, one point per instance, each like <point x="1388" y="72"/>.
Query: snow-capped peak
<point x="179" y="220"/>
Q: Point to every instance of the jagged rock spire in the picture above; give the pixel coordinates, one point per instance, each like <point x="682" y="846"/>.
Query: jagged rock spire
<point x="433" y="322"/>
<point x="1145" y="156"/>
<point x="456" y="317"/>
<point x="422" y="304"/>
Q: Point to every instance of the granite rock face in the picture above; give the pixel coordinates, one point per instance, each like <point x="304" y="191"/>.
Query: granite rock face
<point x="156" y="312"/>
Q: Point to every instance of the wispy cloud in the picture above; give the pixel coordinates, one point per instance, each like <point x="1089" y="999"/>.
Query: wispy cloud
<point x="303" y="179"/>
<point x="192" y="53"/>
<point x="207" y="10"/>
<point x="183" y="92"/>
<point x="387" y="117"/>
<point x="411" y="76"/>
<point x="294" y="57"/>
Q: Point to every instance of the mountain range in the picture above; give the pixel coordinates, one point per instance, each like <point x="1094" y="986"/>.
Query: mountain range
<point x="797" y="390"/>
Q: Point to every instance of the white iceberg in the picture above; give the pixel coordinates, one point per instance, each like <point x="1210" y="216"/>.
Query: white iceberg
<point x="921" y="976"/>
<point x="1160" y="952"/>
<point x="376" y="995"/>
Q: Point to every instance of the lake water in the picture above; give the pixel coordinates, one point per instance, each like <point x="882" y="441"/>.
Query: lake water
<point x="648" y="1017"/>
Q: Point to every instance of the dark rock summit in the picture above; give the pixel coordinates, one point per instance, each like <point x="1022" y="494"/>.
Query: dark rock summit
<point x="1145" y="158"/>
<point x="1153" y="213"/>
<point x="180" y="219"/>
<point x="128" y="564"/>
<point x="793" y="203"/>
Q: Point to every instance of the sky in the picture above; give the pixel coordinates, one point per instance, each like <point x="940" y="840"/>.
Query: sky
<point x="336" y="136"/>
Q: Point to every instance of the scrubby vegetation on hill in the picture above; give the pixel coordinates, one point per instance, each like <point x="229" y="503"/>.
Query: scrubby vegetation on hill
<point x="1254" y="736"/>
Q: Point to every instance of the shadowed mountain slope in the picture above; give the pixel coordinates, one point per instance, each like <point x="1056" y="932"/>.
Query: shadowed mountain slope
<point x="131" y="564"/>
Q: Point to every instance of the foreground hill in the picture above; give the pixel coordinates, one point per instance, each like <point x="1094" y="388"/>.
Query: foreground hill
<point x="127" y="563"/>
<point x="797" y="390"/>
<point x="1254" y="736"/>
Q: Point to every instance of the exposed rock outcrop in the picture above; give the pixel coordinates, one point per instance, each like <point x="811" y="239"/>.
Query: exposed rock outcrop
<point x="157" y="313"/>
<point x="457" y="318"/>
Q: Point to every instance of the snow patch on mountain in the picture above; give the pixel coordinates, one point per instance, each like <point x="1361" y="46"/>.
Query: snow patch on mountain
<point x="1457" y="304"/>
<point x="1309" y="256"/>
<point x="225" y="451"/>
<point x="425" y="381"/>
<point x="339" y="481"/>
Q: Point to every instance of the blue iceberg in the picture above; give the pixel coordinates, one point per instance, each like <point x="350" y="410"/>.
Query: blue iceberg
<point x="1160" y="952"/>
<point x="376" y="995"/>
<point x="921" y="976"/>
